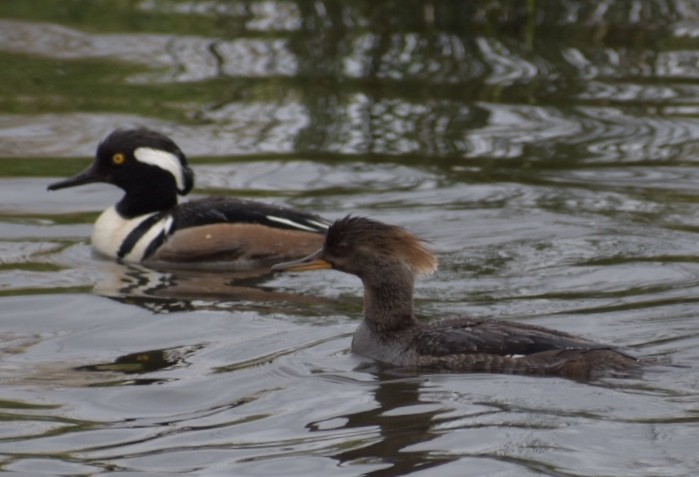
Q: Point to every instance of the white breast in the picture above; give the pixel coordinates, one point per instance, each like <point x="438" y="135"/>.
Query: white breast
<point x="367" y="343"/>
<point x="111" y="229"/>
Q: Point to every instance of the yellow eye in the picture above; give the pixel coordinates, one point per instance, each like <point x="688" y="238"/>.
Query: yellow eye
<point x="118" y="159"/>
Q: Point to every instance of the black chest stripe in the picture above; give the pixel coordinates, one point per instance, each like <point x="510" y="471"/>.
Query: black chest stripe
<point x="135" y="235"/>
<point x="153" y="245"/>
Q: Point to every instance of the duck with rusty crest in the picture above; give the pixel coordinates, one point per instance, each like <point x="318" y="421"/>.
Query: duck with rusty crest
<point x="387" y="259"/>
<point x="149" y="226"/>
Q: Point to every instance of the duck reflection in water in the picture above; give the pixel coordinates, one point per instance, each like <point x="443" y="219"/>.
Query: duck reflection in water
<point x="387" y="259"/>
<point x="169" y="291"/>
<point x="138" y="365"/>
<point x="398" y="431"/>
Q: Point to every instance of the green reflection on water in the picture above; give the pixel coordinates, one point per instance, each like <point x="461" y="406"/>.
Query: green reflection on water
<point x="33" y="85"/>
<point x="41" y="167"/>
<point x="106" y="16"/>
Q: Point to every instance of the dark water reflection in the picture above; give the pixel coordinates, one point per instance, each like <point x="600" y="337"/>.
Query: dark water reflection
<point x="546" y="149"/>
<point x="402" y="419"/>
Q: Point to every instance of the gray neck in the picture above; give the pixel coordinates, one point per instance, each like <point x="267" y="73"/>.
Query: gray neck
<point x="388" y="299"/>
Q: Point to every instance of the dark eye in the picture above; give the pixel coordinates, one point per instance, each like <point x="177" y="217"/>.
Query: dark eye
<point x="342" y="247"/>
<point x="118" y="159"/>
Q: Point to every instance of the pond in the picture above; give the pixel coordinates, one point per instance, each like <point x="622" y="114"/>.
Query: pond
<point x="546" y="150"/>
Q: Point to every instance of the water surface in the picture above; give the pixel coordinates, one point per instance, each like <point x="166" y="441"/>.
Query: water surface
<point x="547" y="151"/>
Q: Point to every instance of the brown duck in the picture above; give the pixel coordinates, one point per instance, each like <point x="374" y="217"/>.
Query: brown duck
<point x="387" y="258"/>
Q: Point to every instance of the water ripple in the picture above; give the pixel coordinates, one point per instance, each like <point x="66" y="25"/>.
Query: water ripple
<point x="546" y="152"/>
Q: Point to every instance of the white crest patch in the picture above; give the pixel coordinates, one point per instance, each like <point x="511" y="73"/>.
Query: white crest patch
<point x="167" y="161"/>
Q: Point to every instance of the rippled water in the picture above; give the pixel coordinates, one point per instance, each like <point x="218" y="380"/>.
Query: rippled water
<point x="547" y="150"/>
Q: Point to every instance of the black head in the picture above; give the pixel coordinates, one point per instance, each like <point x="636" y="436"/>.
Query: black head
<point x="134" y="160"/>
<point x="364" y="247"/>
